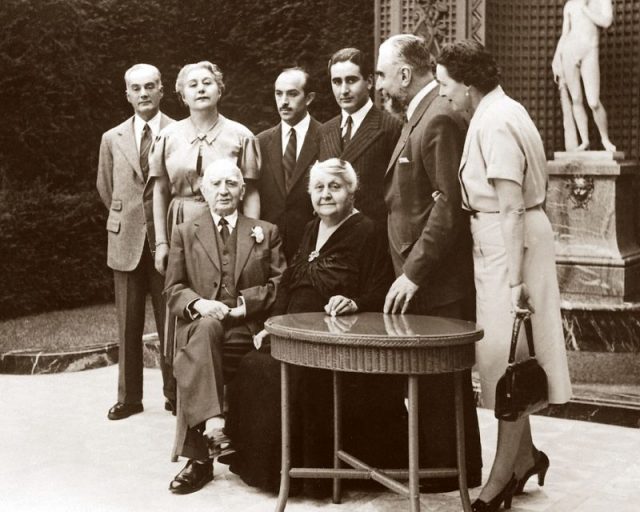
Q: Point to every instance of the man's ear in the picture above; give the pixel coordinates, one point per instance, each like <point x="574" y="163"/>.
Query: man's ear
<point x="405" y="75"/>
<point x="161" y="90"/>
<point x="370" y="82"/>
<point x="310" y="97"/>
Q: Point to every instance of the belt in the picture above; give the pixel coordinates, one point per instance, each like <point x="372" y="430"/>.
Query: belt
<point x="474" y="213"/>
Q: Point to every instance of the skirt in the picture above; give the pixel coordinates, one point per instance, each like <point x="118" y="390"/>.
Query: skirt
<point x="493" y="304"/>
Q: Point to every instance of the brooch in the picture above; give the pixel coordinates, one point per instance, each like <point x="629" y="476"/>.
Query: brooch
<point x="257" y="233"/>
<point x="313" y="255"/>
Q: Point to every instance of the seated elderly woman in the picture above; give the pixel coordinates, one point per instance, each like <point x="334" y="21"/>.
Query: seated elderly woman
<point x="342" y="267"/>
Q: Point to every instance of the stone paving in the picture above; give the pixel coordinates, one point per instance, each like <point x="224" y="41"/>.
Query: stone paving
<point x="58" y="452"/>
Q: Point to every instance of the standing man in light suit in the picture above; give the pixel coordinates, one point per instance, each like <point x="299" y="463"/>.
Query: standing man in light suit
<point x="429" y="237"/>
<point x="288" y="150"/>
<point x="124" y="188"/>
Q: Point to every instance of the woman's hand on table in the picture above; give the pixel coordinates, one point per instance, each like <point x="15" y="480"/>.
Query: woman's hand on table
<point x="259" y="338"/>
<point x="340" y="305"/>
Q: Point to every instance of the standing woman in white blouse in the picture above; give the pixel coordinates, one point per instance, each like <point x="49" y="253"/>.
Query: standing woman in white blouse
<point x="503" y="178"/>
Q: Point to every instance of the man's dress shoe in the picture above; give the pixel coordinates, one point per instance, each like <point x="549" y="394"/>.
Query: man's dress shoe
<point x="192" y="477"/>
<point x="170" y="405"/>
<point x="121" y="411"/>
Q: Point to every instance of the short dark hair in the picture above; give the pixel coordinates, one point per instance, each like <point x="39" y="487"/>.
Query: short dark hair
<point x="358" y="57"/>
<point x="467" y="61"/>
<point x="308" y="85"/>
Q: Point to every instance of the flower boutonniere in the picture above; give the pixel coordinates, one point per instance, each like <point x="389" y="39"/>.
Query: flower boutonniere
<point x="257" y="233"/>
<point x="313" y="255"/>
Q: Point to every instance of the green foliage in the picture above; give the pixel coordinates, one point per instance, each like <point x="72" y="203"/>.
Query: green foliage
<point x="52" y="251"/>
<point x="63" y="63"/>
<point x="61" y="86"/>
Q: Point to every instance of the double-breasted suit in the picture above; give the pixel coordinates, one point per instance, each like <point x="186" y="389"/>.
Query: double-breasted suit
<point x="430" y="243"/>
<point x="368" y="152"/>
<point x="127" y="194"/>
<point x="196" y="269"/>
<point x="286" y="204"/>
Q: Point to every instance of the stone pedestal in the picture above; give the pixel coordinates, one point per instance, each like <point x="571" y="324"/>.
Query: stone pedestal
<point x="591" y="204"/>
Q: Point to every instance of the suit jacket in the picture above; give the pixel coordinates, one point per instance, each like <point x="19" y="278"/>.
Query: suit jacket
<point x="368" y="152"/>
<point x="429" y="235"/>
<point x="127" y="195"/>
<point x="194" y="268"/>
<point x="287" y="207"/>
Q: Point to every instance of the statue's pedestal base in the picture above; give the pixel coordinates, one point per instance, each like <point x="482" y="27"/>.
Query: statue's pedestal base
<point x="592" y="206"/>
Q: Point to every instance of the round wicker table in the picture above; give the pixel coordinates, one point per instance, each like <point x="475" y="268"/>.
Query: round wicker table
<point x="412" y="345"/>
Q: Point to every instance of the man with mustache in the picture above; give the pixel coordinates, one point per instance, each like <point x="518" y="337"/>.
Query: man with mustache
<point x="124" y="187"/>
<point x="361" y="134"/>
<point x="288" y="150"/>
<point x="429" y="237"/>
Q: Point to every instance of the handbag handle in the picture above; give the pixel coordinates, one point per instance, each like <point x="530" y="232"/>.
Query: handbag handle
<point x="520" y="318"/>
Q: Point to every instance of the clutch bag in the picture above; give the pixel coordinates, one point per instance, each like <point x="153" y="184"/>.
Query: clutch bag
<point x="523" y="388"/>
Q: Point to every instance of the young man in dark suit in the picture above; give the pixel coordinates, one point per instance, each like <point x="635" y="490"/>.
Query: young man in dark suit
<point x="361" y="134"/>
<point x="429" y="237"/>
<point x="126" y="191"/>
<point x="288" y="151"/>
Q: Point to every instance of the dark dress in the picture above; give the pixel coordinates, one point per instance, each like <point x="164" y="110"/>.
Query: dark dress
<point x="354" y="262"/>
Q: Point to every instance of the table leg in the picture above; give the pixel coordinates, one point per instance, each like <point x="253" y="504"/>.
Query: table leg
<point x="460" y="444"/>
<point x="337" y="434"/>
<point x="285" y="464"/>
<point x="414" y="463"/>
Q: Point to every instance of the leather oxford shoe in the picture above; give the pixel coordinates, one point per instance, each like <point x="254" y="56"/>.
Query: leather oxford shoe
<point x="192" y="477"/>
<point x="121" y="411"/>
<point x="170" y="405"/>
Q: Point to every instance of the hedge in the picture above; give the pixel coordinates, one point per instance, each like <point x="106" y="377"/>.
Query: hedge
<point x="52" y="251"/>
<point x="61" y="87"/>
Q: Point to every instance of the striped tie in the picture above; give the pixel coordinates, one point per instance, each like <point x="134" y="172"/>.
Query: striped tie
<point x="145" y="146"/>
<point x="289" y="158"/>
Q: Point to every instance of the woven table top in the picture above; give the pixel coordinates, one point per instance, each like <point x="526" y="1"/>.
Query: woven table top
<point x="374" y="342"/>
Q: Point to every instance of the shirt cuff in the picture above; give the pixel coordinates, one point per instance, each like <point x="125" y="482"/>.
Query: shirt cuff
<point x="242" y="307"/>
<point x="190" y="310"/>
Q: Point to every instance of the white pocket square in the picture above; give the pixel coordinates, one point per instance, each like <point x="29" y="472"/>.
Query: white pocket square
<point x="403" y="160"/>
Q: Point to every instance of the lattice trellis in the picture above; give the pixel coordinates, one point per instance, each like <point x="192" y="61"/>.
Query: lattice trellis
<point x="523" y="37"/>
<point x="402" y="16"/>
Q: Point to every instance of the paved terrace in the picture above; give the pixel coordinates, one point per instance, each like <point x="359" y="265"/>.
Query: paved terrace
<point x="58" y="452"/>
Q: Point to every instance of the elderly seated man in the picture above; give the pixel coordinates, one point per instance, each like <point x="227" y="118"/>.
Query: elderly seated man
<point x="221" y="282"/>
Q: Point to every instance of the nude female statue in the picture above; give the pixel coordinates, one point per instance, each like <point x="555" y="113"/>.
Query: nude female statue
<point x="576" y="59"/>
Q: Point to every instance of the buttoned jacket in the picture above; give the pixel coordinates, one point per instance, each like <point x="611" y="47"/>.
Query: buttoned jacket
<point x="368" y="152"/>
<point x="127" y="195"/>
<point x="286" y="204"/>
<point x="194" y="269"/>
<point x="428" y="231"/>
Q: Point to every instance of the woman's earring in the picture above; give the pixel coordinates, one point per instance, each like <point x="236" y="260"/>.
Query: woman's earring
<point x="466" y="92"/>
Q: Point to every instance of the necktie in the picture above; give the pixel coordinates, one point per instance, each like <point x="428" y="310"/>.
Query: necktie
<point x="224" y="230"/>
<point x="289" y="158"/>
<point x="145" y="145"/>
<point x="347" y="134"/>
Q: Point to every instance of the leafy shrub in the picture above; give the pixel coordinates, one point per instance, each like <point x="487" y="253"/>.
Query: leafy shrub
<point x="52" y="251"/>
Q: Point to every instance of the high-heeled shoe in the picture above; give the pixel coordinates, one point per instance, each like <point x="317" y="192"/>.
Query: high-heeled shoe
<point x="505" y="495"/>
<point x="540" y="468"/>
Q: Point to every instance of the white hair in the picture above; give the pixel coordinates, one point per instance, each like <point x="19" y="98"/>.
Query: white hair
<point x="223" y="164"/>
<point x="336" y="167"/>
<point x="147" y="67"/>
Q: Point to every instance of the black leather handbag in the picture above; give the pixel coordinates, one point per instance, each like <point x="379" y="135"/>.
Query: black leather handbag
<point x="523" y="388"/>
